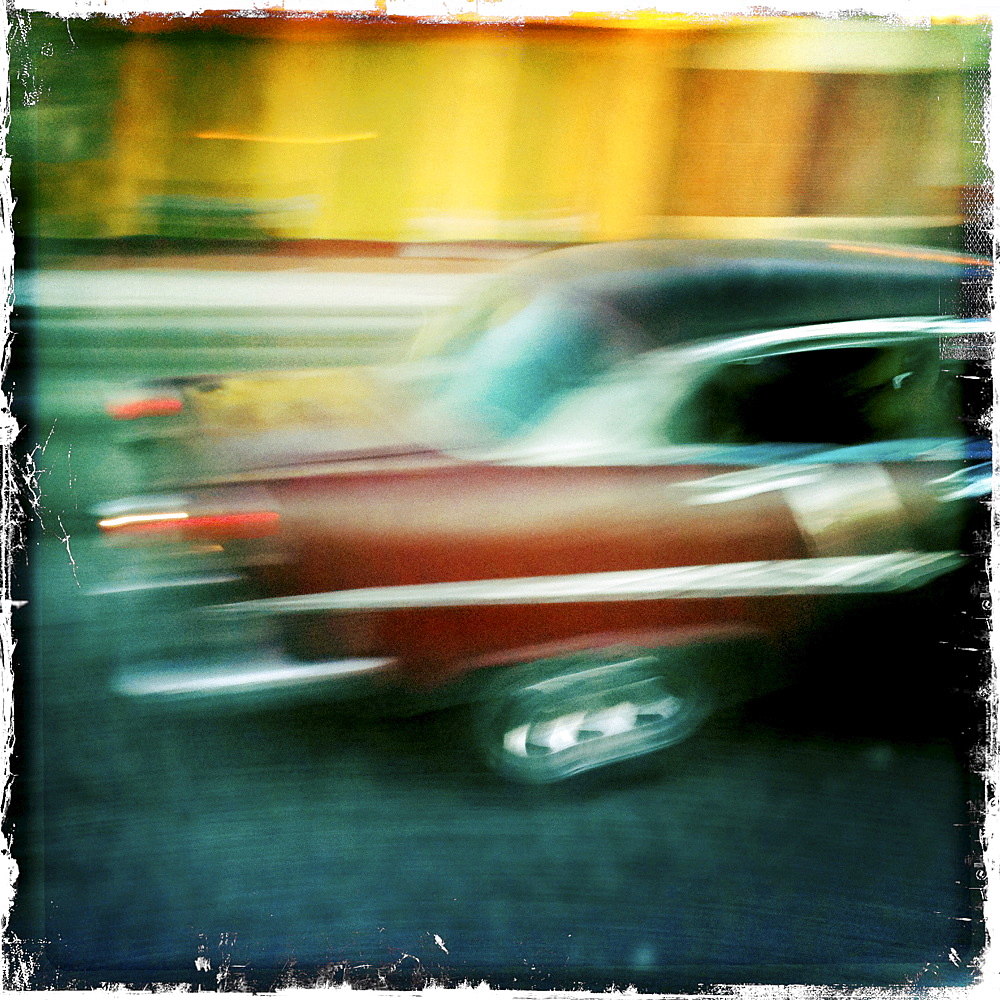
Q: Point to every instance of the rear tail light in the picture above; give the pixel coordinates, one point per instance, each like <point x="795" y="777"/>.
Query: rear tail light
<point x="134" y="409"/>
<point x="222" y="526"/>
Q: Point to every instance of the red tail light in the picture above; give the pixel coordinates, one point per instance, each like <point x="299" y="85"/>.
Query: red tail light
<point x="160" y="406"/>
<point x="213" y="527"/>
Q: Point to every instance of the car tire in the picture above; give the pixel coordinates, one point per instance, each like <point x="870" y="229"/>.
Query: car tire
<point x="562" y="718"/>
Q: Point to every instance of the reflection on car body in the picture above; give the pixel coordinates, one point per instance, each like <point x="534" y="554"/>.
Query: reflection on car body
<point x="624" y="499"/>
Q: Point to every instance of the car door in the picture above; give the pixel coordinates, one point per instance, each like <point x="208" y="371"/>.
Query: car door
<point x="645" y="517"/>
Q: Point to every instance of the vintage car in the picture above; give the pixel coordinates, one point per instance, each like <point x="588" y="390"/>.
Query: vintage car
<point x="624" y="487"/>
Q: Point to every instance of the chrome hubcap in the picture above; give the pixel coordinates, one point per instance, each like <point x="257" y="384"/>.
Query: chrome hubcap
<point x="568" y="731"/>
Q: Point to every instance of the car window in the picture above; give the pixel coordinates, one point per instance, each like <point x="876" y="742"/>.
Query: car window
<point x="838" y="396"/>
<point x="519" y="370"/>
<point x="874" y="391"/>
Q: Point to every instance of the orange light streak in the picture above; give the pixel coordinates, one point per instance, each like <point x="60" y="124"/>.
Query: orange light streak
<point x="286" y="140"/>
<point x="913" y="254"/>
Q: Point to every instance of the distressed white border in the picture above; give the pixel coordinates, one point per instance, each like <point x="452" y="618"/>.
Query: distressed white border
<point x="903" y="12"/>
<point x="899" y="11"/>
<point x="8" y="501"/>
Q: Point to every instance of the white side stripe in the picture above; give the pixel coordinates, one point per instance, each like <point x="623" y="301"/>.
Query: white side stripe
<point x="833" y="575"/>
<point x="161" y="584"/>
<point x="247" y="678"/>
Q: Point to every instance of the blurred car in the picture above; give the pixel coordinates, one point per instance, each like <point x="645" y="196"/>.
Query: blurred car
<point x="623" y="488"/>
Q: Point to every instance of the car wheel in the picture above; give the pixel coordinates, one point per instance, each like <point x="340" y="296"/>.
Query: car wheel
<point x="590" y="712"/>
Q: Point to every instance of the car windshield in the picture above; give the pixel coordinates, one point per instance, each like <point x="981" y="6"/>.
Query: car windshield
<point x="514" y="372"/>
<point x="457" y="330"/>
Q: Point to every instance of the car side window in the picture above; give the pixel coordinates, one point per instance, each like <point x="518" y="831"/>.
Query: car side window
<point x="838" y="396"/>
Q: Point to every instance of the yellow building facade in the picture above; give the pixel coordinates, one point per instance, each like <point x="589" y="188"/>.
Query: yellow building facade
<point x="331" y="128"/>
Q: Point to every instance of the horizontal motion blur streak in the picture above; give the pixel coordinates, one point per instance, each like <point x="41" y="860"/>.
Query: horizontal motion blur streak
<point x="287" y="140"/>
<point x="838" y="574"/>
<point x="127" y="520"/>
<point x="252" y="677"/>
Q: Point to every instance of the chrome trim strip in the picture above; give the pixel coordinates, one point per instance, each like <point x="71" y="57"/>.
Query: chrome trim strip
<point x="803" y="338"/>
<point x="160" y="584"/>
<point x="729" y="486"/>
<point x="243" y="678"/>
<point x="832" y="575"/>
<point x="786" y="456"/>
<point x="974" y="481"/>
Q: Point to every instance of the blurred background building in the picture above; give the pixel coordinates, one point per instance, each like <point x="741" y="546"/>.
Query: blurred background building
<point x="553" y="130"/>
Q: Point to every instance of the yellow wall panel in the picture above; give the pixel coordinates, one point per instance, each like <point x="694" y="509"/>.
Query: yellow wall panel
<point x="630" y="152"/>
<point x="141" y="153"/>
<point x="550" y="132"/>
<point x="746" y="136"/>
<point x="868" y="145"/>
<point x="461" y="136"/>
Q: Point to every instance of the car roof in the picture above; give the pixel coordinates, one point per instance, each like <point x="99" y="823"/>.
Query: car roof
<point x="663" y="254"/>
<point x="681" y="290"/>
<point x="672" y="291"/>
